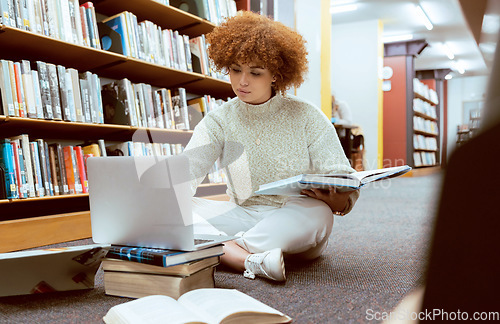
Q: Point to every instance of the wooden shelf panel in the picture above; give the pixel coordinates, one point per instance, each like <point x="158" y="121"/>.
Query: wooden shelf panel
<point x="162" y="15"/>
<point x="54" y="129"/>
<point x="425" y="133"/>
<point x="419" y="96"/>
<point x="18" y="44"/>
<point x="419" y="114"/>
<point x="27" y="233"/>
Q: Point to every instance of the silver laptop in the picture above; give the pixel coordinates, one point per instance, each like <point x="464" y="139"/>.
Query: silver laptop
<point x="144" y="201"/>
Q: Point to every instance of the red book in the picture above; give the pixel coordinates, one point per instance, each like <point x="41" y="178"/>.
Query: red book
<point x="81" y="168"/>
<point x="19" y="90"/>
<point x="68" y="164"/>
<point x="87" y="4"/>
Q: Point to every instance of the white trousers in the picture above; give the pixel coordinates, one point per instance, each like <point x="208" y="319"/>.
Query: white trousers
<point x="300" y="227"/>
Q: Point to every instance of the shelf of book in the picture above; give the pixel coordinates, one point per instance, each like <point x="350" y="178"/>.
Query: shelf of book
<point x="162" y="15"/>
<point x="31" y="222"/>
<point x="71" y="130"/>
<point x="17" y="43"/>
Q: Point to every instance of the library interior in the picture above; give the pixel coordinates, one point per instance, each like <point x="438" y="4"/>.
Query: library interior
<point x="409" y="86"/>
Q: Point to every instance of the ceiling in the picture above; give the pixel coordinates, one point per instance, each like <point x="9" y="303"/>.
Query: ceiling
<point x="468" y="27"/>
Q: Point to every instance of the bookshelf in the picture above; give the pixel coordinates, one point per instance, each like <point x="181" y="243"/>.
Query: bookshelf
<point x="31" y="222"/>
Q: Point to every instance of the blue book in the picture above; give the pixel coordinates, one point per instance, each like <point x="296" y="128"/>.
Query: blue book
<point x="118" y="24"/>
<point x="161" y="257"/>
<point x="7" y="163"/>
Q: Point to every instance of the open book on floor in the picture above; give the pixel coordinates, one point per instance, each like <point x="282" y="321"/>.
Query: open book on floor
<point x="210" y="306"/>
<point x="342" y="182"/>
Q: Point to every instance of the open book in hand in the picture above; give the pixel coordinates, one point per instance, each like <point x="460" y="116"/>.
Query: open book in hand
<point x="210" y="305"/>
<point x="342" y="182"/>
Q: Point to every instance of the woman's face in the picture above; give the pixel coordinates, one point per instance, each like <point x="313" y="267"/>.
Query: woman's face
<point x="251" y="82"/>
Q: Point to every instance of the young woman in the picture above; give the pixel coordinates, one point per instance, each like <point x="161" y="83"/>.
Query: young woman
<point x="261" y="136"/>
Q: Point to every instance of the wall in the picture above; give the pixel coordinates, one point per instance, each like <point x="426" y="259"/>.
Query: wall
<point x="461" y="90"/>
<point x="354" y="78"/>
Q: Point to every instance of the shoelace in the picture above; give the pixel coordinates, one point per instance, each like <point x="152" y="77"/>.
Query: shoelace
<point x="254" y="262"/>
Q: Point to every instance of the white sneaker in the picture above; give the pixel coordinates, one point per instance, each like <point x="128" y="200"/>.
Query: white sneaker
<point x="267" y="264"/>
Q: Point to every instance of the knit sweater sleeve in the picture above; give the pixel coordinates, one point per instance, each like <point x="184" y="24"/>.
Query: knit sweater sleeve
<point x="326" y="153"/>
<point x="204" y="148"/>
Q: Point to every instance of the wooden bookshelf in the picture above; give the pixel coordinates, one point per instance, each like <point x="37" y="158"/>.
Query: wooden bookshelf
<point x="31" y="222"/>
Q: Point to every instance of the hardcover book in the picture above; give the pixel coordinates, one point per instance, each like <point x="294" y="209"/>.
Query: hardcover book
<point x="160" y="257"/>
<point x="341" y="182"/>
<point x="208" y="306"/>
<point x="54" y="91"/>
<point x="43" y="74"/>
<point x="49" y="270"/>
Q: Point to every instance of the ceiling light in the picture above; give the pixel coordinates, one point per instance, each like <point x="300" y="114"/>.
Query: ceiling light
<point x="343" y="8"/>
<point x="423" y="16"/>
<point x="448" y="76"/>
<point x="448" y="52"/>
<point x="459" y="67"/>
<point x="397" y="38"/>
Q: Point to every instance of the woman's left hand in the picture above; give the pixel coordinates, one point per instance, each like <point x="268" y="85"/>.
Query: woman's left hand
<point x="337" y="201"/>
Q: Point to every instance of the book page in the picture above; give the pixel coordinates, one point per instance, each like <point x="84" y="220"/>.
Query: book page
<point x="151" y="309"/>
<point x="215" y="304"/>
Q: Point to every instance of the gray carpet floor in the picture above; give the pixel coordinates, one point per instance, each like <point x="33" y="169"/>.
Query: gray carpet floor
<point x="376" y="255"/>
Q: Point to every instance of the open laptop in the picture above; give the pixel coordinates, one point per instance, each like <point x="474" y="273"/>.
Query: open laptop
<point x="144" y="201"/>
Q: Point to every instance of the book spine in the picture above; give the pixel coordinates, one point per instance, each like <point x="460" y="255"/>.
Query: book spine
<point x="43" y="167"/>
<point x="25" y="145"/>
<point x="54" y="91"/>
<point x="37" y="173"/>
<point x="19" y="170"/>
<point x="38" y="94"/>
<point x="61" y="169"/>
<point x="137" y="255"/>
<point x="28" y="89"/>
<point x="7" y="163"/>
<point x="71" y="97"/>
<point x="49" y="171"/>
<point x="19" y="90"/>
<point x="7" y="99"/>
<point x="43" y="74"/>
<point x="68" y="165"/>
<point x="63" y="92"/>
<point x="56" y="177"/>
<point x="81" y="168"/>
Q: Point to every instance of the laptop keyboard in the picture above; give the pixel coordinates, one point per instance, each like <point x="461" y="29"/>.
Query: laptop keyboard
<point x="200" y="241"/>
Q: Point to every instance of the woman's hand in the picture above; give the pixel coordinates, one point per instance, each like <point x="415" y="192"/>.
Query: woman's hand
<point x="337" y="201"/>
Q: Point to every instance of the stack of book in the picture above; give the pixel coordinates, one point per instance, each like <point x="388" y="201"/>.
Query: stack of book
<point x="137" y="272"/>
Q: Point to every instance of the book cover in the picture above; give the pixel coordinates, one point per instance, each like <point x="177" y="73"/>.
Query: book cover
<point x="28" y="165"/>
<point x="43" y="167"/>
<point x="81" y="168"/>
<point x="63" y="93"/>
<point x="160" y="257"/>
<point x="56" y="177"/>
<point x="29" y="92"/>
<point x="342" y="182"/>
<point x="38" y="94"/>
<point x="48" y="270"/>
<point x="6" y="90"/>
<point x="84" y="91"/>
<point x="77" y="95"/>
<point x="71" y="97"/>
<point x="43" y="74"/>
<point x="54" y="91"/>
<point x="19" y="90"/>
<point x="60" y="168"/>
<point x="7" y="164"/>
<point x="118" y="24"/>
<point x="85" y="26"/>
<point x="183" y="269"/>
<point x="19" y="169"/>
<point x="13" y="86"/>
<point x="49" y="171"/>
<point x="37" y="172"/>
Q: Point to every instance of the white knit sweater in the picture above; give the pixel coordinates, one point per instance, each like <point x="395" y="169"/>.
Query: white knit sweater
<point x="280" y="138"/>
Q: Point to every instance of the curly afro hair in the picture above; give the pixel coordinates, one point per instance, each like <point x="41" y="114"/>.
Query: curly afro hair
<point x="249" y="37"/>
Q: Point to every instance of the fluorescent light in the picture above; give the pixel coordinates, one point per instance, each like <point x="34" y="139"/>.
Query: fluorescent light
<point x="343" y="8"/>
<point x="448" y="52"/>
<point x="397" y="38"/>
<point x="427" y="22"/>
